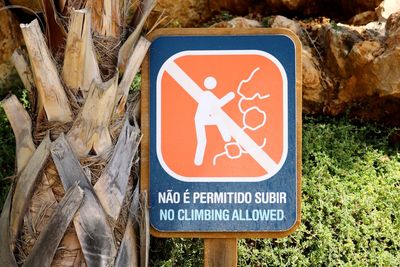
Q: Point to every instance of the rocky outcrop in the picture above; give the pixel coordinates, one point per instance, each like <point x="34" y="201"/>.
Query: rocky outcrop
<point x="10" y="39"/>
<point x="187" y="13"/>
<point x="360" y="73"/>
<point x="337" y="9"/>
<point x="283" y="22"/>
<point x="386" y="8"/>
<point x="348" y="69"/>
<point x="363" y="18"/>
<point x="313" y="93"/>
<point x="238" y="22"/>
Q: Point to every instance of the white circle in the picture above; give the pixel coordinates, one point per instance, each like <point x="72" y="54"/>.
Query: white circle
<point x="210" y="82"/>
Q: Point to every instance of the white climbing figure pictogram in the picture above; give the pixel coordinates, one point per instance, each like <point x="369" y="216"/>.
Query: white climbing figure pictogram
<point x="206" y="115"/>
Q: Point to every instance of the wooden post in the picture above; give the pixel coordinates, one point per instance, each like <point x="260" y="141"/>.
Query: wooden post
<point x="220" y="252"/>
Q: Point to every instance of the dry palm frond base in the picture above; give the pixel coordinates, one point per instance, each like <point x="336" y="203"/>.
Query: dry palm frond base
<point x="78" y="146"/>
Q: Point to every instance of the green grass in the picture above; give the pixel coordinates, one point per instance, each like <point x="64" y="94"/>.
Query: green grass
<point x="351" y="205"/>
<point x="176" y="252"/>
<point x="7" y="144"/>
<point x="351" y="202"/>
<point x="7" y="156"/>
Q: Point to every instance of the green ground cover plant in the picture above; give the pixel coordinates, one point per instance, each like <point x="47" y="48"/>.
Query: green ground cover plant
<point x="351" y="205"/>
<point x="7" y="156"/>
<point x="7" y="143"/>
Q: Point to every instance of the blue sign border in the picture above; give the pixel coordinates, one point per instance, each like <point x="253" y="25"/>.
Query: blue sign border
<point x="286" y="50"/>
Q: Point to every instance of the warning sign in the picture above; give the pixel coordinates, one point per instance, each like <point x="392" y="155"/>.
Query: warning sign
<point x="219" y="111"/>
<point x="221" y="119"/>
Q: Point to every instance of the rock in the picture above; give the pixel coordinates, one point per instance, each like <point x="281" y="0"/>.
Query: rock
<point x="184" y="13"/>
<point x="357" y="72"/>
<point x="393" y="29"/>
<point x="283" y="22"/>
<point x="312" y="85"/>
<point x="339" y="41"/>
<point x="353" y="7"/>
<point x="238" y="22"/>
<point x="384" y="73"/>
<point x="375" y="27"/>
<point x="293" y="4"/>
<point x="346" y="67"/>
<point x="386" y="8"/>
<point x="373" y="71"/>
<point x="10" y="39"/>
<point x="363" y="18"/>
<point x="189" y="13"/>
<point x="337" y="9"/>
<point x="363" y="53"/>
<point x="350" y="69"/>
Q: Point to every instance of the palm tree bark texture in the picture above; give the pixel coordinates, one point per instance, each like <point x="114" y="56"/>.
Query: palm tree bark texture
<point x="75" y="199"/>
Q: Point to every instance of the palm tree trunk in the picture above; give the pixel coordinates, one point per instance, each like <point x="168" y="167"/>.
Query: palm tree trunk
<point x="75" y="199"/>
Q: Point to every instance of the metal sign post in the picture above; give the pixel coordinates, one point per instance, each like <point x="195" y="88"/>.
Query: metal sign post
<point x="221" y="117"/>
